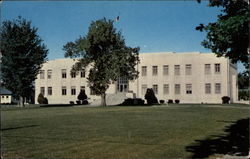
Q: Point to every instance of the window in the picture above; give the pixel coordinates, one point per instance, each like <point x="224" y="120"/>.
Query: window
<point x="144" y="70"/>
<point x="217" y="68"/>
<point x="64" y="73"/>
<point x="42" y="90"/>
<point x="82" y="73"/>
<point x="73" y="74"/>
<point x="2" y="96"/>
<point x="155" y="70"/>
<point x="188" y="88"/>
<point x="49" y="90"/>
<point x="82" y="88"/>
<point x="49" y="73"/>
<point x="207" y="88"/>
<point x="207" y="69"/>
<point x="165" y="89"/>
<point x="64" y="90"/>
<point x="217" y="88"/>
<point x="165" y="69"/>
<point x="176" y="69"/>
<point x="155" y="88"/>
<point x="144" y="89"/>
<point x="7" y="96"/>
<point x="41" y="74"/>
<point x="188" y="69"/>
<point x="177" y="88"/>
<point x="73" y="90"/>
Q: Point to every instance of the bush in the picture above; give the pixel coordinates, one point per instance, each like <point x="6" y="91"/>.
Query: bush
<point x="131" y="102"/>
<point x="170" y="101"/>
<point x="162" y="101"/>
<point x="177" y="101"/>
<point x="85" y="102"/>
<point x="225" y="99"/>
<point x="83" y="97"/>
<point x="78" y="102"/>
<point x="45" y="101"/>
<point x="150" y="97"/>
<point x="40" y="98"/>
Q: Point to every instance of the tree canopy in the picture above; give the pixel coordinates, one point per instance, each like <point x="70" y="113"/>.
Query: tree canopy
<point x="104" y="49"/>
<point x="229" y="35"/>
<point x="22" y="55"/>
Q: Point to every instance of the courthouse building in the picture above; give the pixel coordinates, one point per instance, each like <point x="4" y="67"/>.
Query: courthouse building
<point x="191" y="77"/>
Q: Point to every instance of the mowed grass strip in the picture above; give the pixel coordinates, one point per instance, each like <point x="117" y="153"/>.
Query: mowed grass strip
<point x="112" y="132"/>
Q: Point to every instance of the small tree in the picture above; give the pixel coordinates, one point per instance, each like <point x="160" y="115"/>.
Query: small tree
<point x="40" y="98"/>
<point x="82" y="96"/>
<point x="104" y="49"/>
<point x="150" y="97"/>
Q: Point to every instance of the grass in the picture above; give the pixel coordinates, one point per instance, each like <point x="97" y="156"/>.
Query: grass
<point x="114" y="132"/>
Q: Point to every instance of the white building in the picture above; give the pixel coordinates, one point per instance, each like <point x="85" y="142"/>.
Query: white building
<point x="5" y="96"/>
<point x="190" y="77"/>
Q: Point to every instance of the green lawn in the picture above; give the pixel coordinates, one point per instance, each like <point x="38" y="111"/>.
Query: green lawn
<point x="173" y="131"/>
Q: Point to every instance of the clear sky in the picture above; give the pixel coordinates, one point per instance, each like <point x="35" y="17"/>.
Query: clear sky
<point x="161" y="26"/>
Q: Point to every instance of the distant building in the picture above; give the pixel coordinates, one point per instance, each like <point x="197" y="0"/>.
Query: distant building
<point x="5" y="96"/>
<point x="190" y="77"/>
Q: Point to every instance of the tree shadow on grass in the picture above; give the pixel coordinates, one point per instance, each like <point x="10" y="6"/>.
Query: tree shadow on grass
<point x="234" y="142"/>
<point x="19" y="127"/>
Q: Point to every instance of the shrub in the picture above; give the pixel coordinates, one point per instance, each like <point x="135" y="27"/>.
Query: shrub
<point x="78" y="102"/>
<point x="162" y="101"/>
<point x="82" y="97"/>
<point x="170" y="101"/>
<point x="177" y="101"/>
<point x="131" y="102"/>
<point x="225" y="99"/>
<point x="150" y="97"/>
<point x="40" y="98"/>
<point x="85" y="102"/>
<point x="45" y="101"/>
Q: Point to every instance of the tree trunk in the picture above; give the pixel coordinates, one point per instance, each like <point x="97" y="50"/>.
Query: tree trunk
<point x="103" y="100"/>
<point x="21" y="101"/>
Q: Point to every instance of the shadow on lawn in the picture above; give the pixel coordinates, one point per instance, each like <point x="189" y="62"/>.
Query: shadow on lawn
<point x="19" y="127"/>
<point x="234" y="142"/>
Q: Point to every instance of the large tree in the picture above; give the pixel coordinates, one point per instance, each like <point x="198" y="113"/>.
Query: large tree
<point x="229" y="35"/>
<point x="104" y="49"/>
<point x="22" y="55"/>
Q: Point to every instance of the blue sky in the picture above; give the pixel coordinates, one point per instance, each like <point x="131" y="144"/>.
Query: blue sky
<point x="162" y="26"/>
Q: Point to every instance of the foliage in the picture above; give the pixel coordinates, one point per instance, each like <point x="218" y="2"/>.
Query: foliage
<point x="22" y="56"/>
<point x="83" y="97"/>
<point x="170" y="101"/>
<point x="243" y="80"/>
<point x="45" y="101"/>
<point x="229" y="35"/>
<point x="244" y="94"/>
<point x="225" y="99"/>
<point x="177" y="101"/>
<point x="104" y="49"/>
<point x="133" y="102"/>
<point x="150" y="97"/>
<point x="162" y="101"/>
<point x="40" y="98"/>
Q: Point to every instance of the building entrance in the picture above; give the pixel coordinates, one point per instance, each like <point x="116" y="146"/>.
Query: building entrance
<point x="122" y="84"/>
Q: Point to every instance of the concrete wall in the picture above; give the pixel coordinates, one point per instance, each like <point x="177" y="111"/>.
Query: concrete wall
<point x="227" y="78"/>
